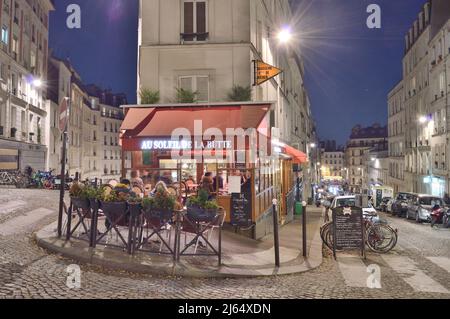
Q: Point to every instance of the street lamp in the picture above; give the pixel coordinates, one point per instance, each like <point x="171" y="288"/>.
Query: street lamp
<point x="285" y="35"/>
<point x="423" y="119"/>
<point x="313" y="145"/>
<point x="37" y="83"/>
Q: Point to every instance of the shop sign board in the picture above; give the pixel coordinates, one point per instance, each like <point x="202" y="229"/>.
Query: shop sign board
<point x="348" y="229"/>
<point x="148" y="145"/>
<point x="264" y="72"/>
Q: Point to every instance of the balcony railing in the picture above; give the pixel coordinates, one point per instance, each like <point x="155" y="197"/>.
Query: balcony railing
<point x="193" y="37"/>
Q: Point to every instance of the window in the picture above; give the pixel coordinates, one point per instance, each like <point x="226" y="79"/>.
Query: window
<point x="5" y="34"/>
<point x="194" y="21"/>
<point x="442" y="82"/>
<point x="198" y="84"/>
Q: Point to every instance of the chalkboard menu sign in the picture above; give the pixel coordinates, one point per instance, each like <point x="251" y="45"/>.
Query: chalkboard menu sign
<point x="241" y="209"/>
<point x="348" y="229"/>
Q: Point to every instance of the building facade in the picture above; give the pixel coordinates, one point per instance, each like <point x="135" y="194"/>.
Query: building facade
<point x="396" y="132"/>
<point x="361" y="140"/>
<point x="23" y="70"/>
<point x="208" y="47"/>
<point x="93" y="149"/>
<point x="423" y="137"/>
<point x="332" y="165"/>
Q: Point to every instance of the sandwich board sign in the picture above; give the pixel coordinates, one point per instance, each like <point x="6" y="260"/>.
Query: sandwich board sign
<point x="264" y="72"/>
<point x="348" y="229"/>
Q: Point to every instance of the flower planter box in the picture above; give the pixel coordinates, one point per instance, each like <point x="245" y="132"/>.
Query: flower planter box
<point x="115" y="211"/>
<point x="158" y="214"/>
<point x="135" y="209"/>
<point x="198" y="214"/>
<point x="81" y="203"/>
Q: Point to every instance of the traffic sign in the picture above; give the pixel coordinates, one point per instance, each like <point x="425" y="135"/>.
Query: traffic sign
<point x="63" y="114"/>
<point x="264" y="72"/>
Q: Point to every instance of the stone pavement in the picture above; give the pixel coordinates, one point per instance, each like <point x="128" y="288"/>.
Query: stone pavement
<point x="241" y="257"/>
<point x="28" y="271"/>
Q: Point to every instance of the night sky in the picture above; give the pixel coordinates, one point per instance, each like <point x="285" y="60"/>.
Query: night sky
<point x="349" y="68"/>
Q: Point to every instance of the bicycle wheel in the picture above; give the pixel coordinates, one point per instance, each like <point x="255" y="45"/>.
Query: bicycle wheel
<point x="381" y="238"/>
<point x="327" y="235"/>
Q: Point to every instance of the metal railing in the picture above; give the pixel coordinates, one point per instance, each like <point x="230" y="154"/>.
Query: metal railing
<point x="128" y="227"/>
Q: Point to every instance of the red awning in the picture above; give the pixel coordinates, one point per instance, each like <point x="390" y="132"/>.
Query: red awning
<point x="165" y="121"/>
<point x="297" y="156"/>
<point x="134" y="117"/>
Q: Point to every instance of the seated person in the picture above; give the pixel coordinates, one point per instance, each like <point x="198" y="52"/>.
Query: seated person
<point x="136" y="180"/>
<point x="166" y="178"/>
<point x="207" y="184"/>
<point x="218" y="182"/>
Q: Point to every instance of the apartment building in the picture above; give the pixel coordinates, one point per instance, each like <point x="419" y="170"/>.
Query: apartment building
<point x="361" y="140"/>
<point x="423" y="139"/>
<point x="208" y="47"/>
<point x="23" y="70"/>
<point x="396" y="132"/>
<point x="333" y="165"/>
<point x="377" y="161"/>
<point x="93" y="129"/>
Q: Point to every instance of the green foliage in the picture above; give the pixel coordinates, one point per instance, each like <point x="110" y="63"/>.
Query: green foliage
<point x="161" y="201"/>
<point x="76" y="190"/>
<point x="91" y="192"/>
<point x="149" y="96"/>
<point x="186" y="96"/>
<point x="201" y="200"/>
<point x="114" y="196"/>
<point x="240" y="94"/>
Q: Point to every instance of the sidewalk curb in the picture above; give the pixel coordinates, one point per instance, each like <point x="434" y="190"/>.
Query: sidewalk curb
<point x="118" y="260"/>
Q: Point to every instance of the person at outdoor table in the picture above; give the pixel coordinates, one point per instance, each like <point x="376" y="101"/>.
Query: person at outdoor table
<point x="218" y="179"/>
<point x="207" y="184"/>
<point x="136" y="180"/>
<point x="166" y="178"/>
<point x="247" y="184"/>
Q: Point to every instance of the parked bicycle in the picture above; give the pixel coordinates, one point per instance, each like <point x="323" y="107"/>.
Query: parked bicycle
<point x="9" y="177"/>
<point x="379" y="237"/>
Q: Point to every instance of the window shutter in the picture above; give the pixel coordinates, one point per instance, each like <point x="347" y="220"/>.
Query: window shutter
<point x="186" y="83"/>
<point x="203" y="89"/>
<point x="189" y="20"/>
<point x="201" y="21"/>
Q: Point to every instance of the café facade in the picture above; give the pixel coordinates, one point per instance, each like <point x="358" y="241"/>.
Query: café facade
<point x="231" y="141"/>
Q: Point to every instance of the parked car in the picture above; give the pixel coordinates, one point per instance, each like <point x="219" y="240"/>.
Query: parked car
<point x="383" y="203"/>
<point x="341" y="201"/>
<point x="420" y="207"/>
<point x="400" y="204"/>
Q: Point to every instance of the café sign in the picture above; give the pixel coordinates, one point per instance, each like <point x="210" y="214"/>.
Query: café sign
<point x="149" y="145"/>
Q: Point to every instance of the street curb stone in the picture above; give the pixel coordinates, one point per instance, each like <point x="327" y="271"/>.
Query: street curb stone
<point x="117" y="260"/>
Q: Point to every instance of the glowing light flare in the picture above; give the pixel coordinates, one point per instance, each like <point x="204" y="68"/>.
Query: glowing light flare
<point x="285" y="35"/>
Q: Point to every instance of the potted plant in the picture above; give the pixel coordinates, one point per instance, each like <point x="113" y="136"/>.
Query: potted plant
<point x="78" y="196"/>
<point x="94" y="195"/>
<point x="161" y="205"/>
<point x="199" y="208"/>
<point x="114" y="206"/>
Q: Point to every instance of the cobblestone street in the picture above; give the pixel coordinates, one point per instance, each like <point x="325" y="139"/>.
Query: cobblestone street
<point x="419" y="267"/>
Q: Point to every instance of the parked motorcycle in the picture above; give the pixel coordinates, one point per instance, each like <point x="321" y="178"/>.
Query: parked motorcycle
<point x="437" y="215"/>
<point x="446" y="219"/>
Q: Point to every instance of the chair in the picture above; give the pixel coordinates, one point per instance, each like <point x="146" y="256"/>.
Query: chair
<point x="138" y="190"/>
<point x="218" y="223"/>
<point x="147" y="189"/>
<point x="112" y="183"/>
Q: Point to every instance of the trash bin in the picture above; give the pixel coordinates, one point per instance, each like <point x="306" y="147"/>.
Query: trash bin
<point x="298" y="208"/>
